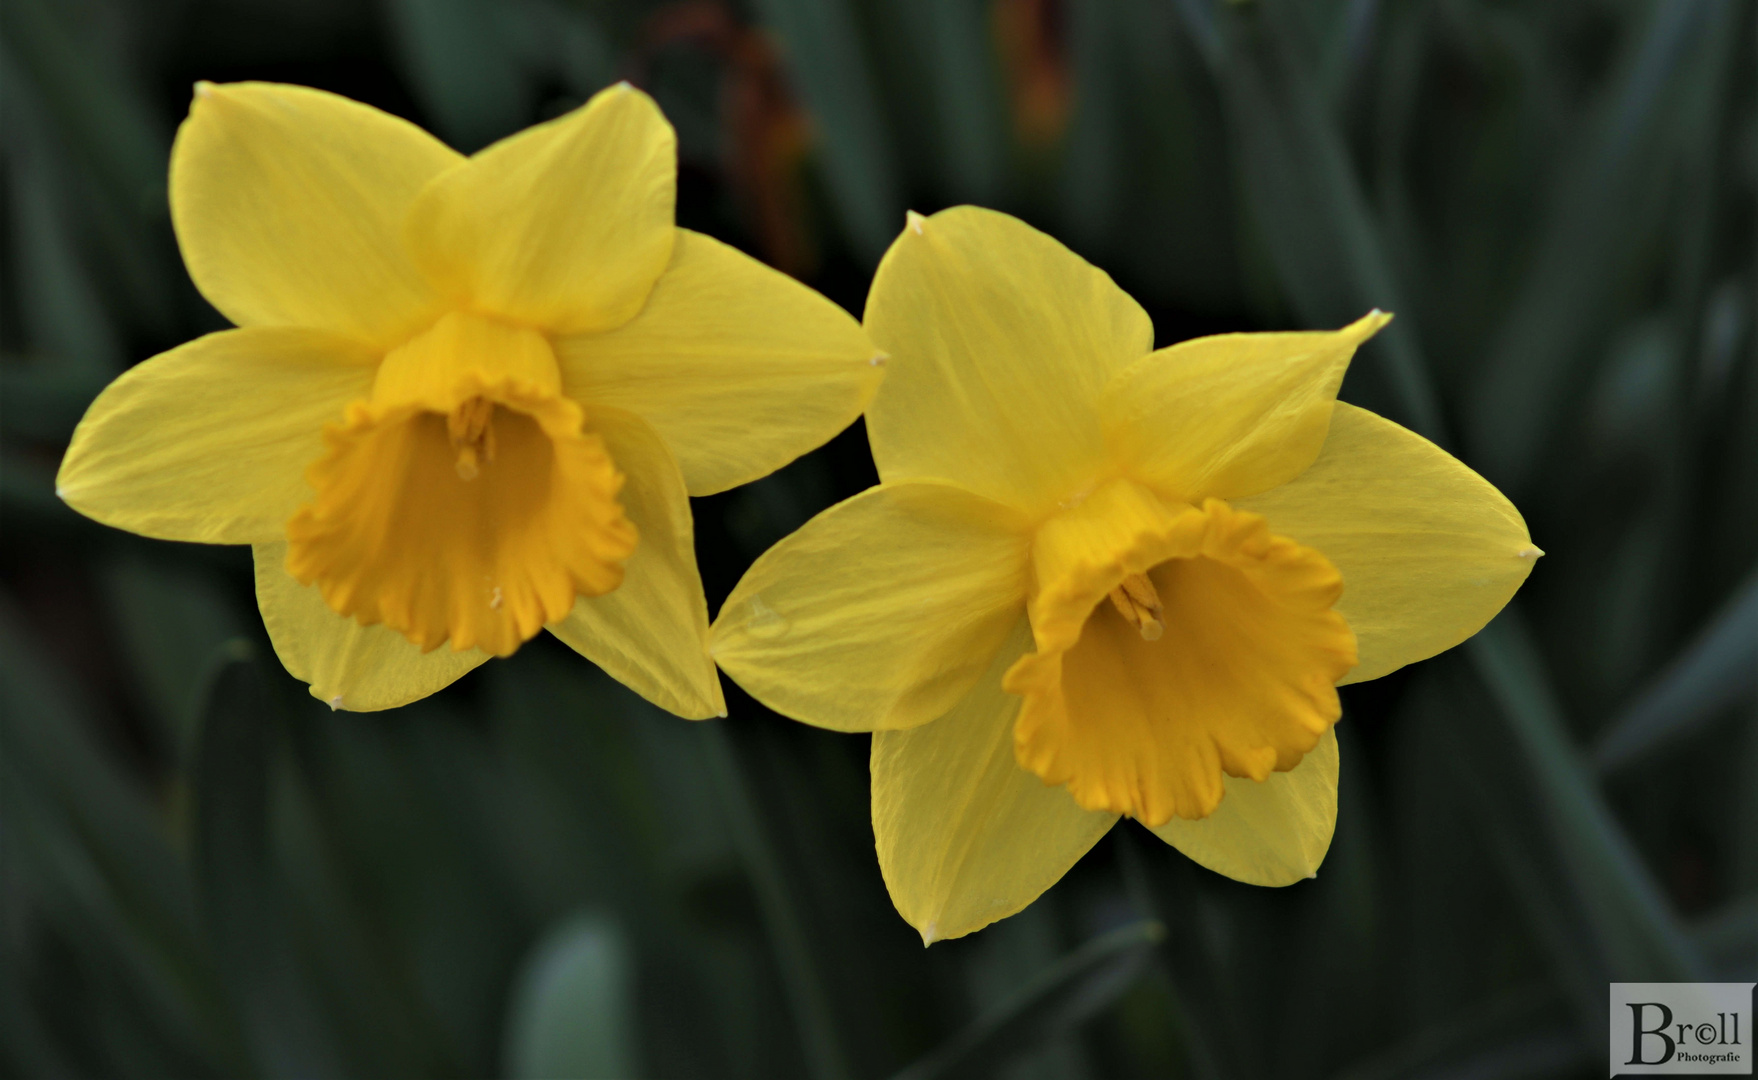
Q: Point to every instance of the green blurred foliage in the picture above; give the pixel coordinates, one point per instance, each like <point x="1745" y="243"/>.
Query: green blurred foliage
<point x="205" y="873"/>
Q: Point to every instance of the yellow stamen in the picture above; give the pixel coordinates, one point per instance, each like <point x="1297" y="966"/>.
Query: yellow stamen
<point x="472" y="432"/>
<point x="1139" y="604"/>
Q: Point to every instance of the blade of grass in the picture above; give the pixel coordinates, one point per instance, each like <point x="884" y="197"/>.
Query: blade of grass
<point x="1075" y="988"/>
<point x="1718" y="668"/>
<point x="781" y="916"/>
<point x="824" y="52"/>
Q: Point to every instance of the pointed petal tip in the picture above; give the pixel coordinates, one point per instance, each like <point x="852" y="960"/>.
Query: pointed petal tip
<point x="203" y="88"/>
<point x="1530" y="551"/>
<point x="878" y="359"/>
<point x="928" y="932"/>
<point x="914" y="222"/>
<point x="1368" y="325"/>
<point x="335" y="703"/>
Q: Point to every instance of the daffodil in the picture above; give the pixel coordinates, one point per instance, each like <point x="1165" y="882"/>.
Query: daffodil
<point x="1101" y="580"/>
<point x="466" y="398"/>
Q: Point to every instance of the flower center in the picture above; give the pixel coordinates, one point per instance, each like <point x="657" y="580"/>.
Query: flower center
<point x="1217" y="654"/>
<point x="466" y="499"/>
<point x="1139" y="604"/>
<point x="472" y="433"/>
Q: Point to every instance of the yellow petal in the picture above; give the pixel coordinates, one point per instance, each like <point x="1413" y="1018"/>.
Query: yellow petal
<point x="209" y="442"/>
<point x="289" y="207"/>
<point x="965" y="836"/>
<point x="1000" y="341"/>
<point x="1270" y="832"/>
<point x="1229" y="415"/>
<point x="1429" y="551"/>
<point x="1235" y="674"/>
<point x="879" y="613"/>
<point x="651" y="634"/>
<point x="739" y="367"/>
<point x="349" y="666"/>
<point x="564" y="226"/>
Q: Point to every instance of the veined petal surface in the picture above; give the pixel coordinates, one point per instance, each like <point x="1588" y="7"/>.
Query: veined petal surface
<point x="564" y="226"/>
<point x="289" y="206"/>
<point x="1229" y="415"/>
<point x="1000" y="342"/>
<point x="1273" y="831"/>
<point x="651" y="633"/>
<point x="881" y="612"/>
<point x="209" y="442"/>
<point x="1429" y="551"/>
<point x="965" y="836"/>
<point x="740" y="368"/>
<point x="349" y="666"/>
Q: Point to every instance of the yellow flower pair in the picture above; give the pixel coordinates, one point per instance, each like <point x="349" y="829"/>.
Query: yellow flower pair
<point x="467" y="399"/>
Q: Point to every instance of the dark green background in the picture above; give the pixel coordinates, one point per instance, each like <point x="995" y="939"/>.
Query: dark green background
<point x="205" y="873"/>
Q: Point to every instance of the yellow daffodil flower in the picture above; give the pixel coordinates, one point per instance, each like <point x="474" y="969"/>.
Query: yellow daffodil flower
<point x="466" y="398"/>
<point x="1099" y="579"/>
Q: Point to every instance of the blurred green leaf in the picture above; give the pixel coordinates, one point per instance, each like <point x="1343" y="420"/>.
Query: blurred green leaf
<point x="1309" y="206"/>
<point x="241" y="891"/>
<point x="1629" y="912"/>
<point x="28" y="502"/>
<point x="1096" y="151"/>
<point x="1729" y="937"/>
<point x="1075" y="988"/>
<point x="1511" y="1024"/>
<point x="171" y="620"/>
<point x="1718" y="668"/>
<point x="1498" y="797"/>
<point x="831" y="72"/>
<point x="104" y="119"/>
<point x="573" y="1005"/>
<point x="65" y="320"/>
<point x="42" y="402"/>
<point x="88" y="843"/>
<point x="458" y="59"/>
<point x="550" y="39"/>
<point x="965" y="87"/>
<point x="1602" y="214"/>
<point x="782" y="917"/>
